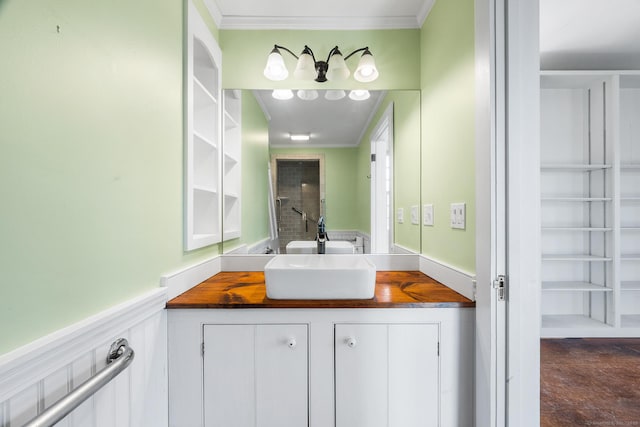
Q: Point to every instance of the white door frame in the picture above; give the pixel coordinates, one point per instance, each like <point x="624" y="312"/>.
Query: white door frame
<point x="507" y="210"/>
<point x="382" y="131"/>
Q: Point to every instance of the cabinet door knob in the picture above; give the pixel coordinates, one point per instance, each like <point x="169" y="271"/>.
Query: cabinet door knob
<point x="292" y="343"/>
<point x="351" y="342"/>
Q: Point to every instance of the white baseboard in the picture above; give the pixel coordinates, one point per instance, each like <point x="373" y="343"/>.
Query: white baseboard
<point x="244" y="262"/>
<point x="401" y="250"/>
<point x="460" y="281"/>
<point x="184" y="279"/>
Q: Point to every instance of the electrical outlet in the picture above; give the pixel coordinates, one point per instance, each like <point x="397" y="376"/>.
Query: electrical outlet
<point x="458" y="216"/>
<point x="415" y="215"/>
<point x="400" y="215"/>
<point x="427" y="214"/>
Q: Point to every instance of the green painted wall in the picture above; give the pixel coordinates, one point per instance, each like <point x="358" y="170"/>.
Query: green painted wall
<point x="395" y="52"/>
<point x="340" y="184"/>
<point x="90" y="156"/>
<point x="255" y="181"/>
<point x="448" y="123"/>
<point x="406" y="122"/>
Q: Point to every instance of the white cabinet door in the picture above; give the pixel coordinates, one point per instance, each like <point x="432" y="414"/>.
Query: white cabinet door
<point x="255" y="376"/>
<point x="387" y="375"/>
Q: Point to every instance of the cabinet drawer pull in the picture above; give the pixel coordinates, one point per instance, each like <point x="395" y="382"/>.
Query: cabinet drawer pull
<point x="351" y="342"/>
<point x="292" y="343"/>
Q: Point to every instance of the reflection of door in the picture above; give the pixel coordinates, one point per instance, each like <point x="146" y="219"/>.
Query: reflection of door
<point x="382" y="184"/>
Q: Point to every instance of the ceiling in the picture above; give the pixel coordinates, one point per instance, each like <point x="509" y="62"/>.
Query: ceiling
<point x="312" y="14"/>
<point x="329" y="123"/>
<point x="590" y="34"/>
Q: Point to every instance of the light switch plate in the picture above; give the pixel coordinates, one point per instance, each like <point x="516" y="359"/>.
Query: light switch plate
<point x="458" y="216"/>
<point x="415" y="215"/>
<point x="427" y="214"/>
<point x="400" y="215"/>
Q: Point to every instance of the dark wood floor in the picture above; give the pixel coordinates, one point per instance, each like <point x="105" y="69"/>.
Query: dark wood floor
<point x="590" y="382"/>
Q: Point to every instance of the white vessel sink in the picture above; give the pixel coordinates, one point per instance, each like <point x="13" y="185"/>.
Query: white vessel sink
<point x="311" y="247"/>
<point x="320" y="277"/>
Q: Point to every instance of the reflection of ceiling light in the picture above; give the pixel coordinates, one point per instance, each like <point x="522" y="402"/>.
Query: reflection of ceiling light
<point x="333" y="69"/>
<point x="282" y="94"/>
<point x="307" y="95"/>
<point x="359" y="95"/>
<point x="299" y="137"/>
<point x="334" y="95"/>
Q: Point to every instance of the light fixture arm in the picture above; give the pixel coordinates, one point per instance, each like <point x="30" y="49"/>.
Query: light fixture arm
<point x="276" y="47"/>
<point x="356" y="51"/>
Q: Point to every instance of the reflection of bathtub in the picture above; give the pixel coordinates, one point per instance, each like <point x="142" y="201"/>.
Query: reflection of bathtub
<point x="311" y="247"/>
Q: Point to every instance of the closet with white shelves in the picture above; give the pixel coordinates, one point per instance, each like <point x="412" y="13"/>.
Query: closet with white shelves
<point x="232" y="177"/>
<point x="630" y="200"/>
<point x="202" y="216"/>
<point x="590" y="221"/>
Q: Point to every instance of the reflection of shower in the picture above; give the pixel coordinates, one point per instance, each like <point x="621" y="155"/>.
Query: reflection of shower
<point x="298" y="201"/>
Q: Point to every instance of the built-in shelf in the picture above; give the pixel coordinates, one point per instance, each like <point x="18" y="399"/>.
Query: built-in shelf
<point x="630" y="320"/>
<point x="232" y="159"/>
<point x="230" y="122"/>
<point x="630" y="285"/>
<point x="203" y="139"/>
<point x="574" y="286"/>
<point x="574" y="257"/>
<point x="629" y="228"/>
<point x="576" y="199"/>
<point x="202" y="95"/>
<point x="232" y="196"/>
<point x="630" y="199"/>
<point x="202" y="167"/>
<point x="630" y="257"/>
<point x="571" y="167"/>
<point x="625" y="167"/>
<point x="602" y="229"/>
<point x="571" y="321"/>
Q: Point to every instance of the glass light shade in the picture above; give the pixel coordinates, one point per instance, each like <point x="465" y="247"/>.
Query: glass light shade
<point x="338" y="70"/>
<point x="334" y="95"/>
<point x="275" y="68"/>
<point x="359" y="95"/>
<point x="282" y="94"/>
<point x="307" y="94"/>
<point x="305" y="68"/>
<point x="366" y="71"/>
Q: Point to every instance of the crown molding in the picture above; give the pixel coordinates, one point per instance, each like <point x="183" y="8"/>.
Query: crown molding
<point x="214" y="11"/>
<point x="318" y="23"/>
<point x="424" y="12"/>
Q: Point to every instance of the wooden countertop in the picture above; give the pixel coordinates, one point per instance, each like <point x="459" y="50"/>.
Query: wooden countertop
<point x="394" y="289"/>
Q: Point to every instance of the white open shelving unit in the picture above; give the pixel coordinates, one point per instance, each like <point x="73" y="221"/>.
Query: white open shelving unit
<point x="203" y="136"/>
<point x="232" y="177"/>
<point x="590" y="203"/>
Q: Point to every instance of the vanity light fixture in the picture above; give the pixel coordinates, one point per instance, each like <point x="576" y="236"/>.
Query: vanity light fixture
<point x="333" y="69"/>
<point x="359" y="95"/>
<point x="307" y="94"/>
<point x="282" y="94"/>
<point x="334" y="94"/>
<point x="299" y="138"/>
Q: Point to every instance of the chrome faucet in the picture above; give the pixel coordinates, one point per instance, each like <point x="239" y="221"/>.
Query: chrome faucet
<point x="321" y="237"/>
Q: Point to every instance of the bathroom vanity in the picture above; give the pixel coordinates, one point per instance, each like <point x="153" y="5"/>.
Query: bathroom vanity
<point x="402" y="359"/>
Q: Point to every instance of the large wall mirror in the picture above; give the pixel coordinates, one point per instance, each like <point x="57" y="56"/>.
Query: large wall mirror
<point x="350" y="157"/>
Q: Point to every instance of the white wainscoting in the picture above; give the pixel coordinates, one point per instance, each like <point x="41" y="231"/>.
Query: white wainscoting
<point x="35" y="376"/>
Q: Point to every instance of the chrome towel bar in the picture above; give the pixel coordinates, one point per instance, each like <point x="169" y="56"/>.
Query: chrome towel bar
<point x="120" y="356"/>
